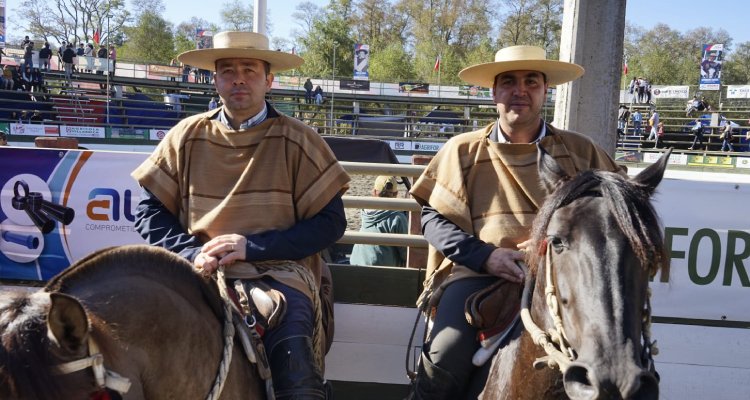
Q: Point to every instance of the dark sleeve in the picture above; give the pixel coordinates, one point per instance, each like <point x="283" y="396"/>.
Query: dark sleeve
<point x="162" y="228"/>
<point x="454" y="243"/>
<point x="303" y="239"/>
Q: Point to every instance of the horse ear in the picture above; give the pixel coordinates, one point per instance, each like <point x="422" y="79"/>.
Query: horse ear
<point x="67" y="324"/>
<point x="650" y="177"/>
<point x="550" y="171"/>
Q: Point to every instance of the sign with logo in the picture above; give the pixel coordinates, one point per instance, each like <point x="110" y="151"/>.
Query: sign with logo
<point x="710" y="66"/>
<point x="413" y="87"/>
<point x="83" y="131"/>
<point x="474" y="91"/>
<point x="670" y="92"/>
<point x="34" y="130"/>
<point x="738" y="92"/>
<point x="362" y="61"/>
<point x="89" y="203"/>
<point x="157" y="134"/>
<point x="353" y="84"/>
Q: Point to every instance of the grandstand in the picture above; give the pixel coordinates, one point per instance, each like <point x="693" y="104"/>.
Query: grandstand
<point x="147" y="98"/>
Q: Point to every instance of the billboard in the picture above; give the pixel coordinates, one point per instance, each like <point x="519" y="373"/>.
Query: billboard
<point x="362" y="61"/>
<point x="204" y="39"/>
<point x="710" y="66"/>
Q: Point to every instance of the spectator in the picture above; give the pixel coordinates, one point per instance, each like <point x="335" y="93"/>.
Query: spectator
<point x="25" y="42"/>
<point x="7" y="81"/>
<point x="113" y="57"/>
<point x="318" y="95"/>
<point x="185" y="72"/>
<point x="637" y="120"/>
<point x="89" y="54"/>
<point x="641" y="86"/>
<point x="212" y="104"/>
<point x="697" y="132"/>
<point x="28" y="54"/>
<point x="37" y="81"/>
<point x="102" y="55"/>
<point x="382" y="221"/>
<point x="622" y="119"/>
<point x="653" y="122"/>
<point x="308" y="91"/>
<point x="3" y="138"/>
<point x="727" y="136"/>
<point x="60" y="51"/>
<point x="694" y="104"/>
<point x="659" y="135"/>
<point x="36" y="117"/>
<point x="80" y="51"/>
<point x="45" y="54"/>
<point x="26" y="78"/>
<point x="68" y="59"/>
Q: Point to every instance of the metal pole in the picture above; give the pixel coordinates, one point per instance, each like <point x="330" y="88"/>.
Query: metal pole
<point x="333" y="84"/>
<point x="259" y="16"/>
<point x="108" y="61"/>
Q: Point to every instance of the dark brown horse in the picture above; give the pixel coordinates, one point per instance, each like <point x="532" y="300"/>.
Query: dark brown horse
<point x="599" y="240"/>
<point x="154" y="321"/>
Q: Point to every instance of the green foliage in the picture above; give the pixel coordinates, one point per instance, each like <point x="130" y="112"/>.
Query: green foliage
<point x="237" y="15"/>
<point x="149" y="40"/>
<point x="391" y="64"/>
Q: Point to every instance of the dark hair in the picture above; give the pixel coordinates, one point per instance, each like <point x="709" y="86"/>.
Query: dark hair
<point x="3" y="135"/>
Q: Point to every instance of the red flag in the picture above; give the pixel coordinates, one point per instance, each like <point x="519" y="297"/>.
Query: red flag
<point x="96" y="37"/>
<point x="625" y="68"/>
<point x="437" y="64"/>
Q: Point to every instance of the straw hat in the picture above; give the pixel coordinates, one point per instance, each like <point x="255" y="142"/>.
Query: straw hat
<point x="521" y="58"/>
<point x="240" y="45"/>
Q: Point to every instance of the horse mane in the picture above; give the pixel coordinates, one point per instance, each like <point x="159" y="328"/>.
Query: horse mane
<point x="25" y="357"/>
<point x="629" y="204"/>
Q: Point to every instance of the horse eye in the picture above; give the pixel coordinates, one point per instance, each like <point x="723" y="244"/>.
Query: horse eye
<point x="557" y="243"/>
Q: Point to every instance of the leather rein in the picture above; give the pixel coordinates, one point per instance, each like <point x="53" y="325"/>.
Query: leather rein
<point x="554" y="341"/>
<point x="105" y="379"/>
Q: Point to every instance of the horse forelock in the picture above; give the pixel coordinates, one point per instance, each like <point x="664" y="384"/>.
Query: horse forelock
<point x="25" y="358"/>
<point x="626" y="201"/>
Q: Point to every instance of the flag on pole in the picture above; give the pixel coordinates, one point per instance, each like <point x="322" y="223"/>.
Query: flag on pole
<point x="625" y="68"/>
<point x="97" y="36"/>
<point x="437" y="64"/>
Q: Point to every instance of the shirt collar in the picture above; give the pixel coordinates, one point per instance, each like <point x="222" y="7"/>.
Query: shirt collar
<point x="248" y="123"/>
<point x="498" y="137"/>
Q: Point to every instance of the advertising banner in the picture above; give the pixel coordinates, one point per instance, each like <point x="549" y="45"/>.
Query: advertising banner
<point x="670" y="92"/>
<point x="710" y="66"/>
<point x="738" y="91"/>
<point x="56" y="206"/>
<point x="34" y="130"/>
<point x="413" y="87"/>
<point x="83" y="131"/>
<point x="204" y="39"/>
<point x="351" y="84"/>
<point x="362" y="61"/>
<point x="474" y="91"/>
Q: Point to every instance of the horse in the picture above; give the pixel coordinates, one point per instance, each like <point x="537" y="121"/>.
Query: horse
<point x="130" y="322"/>
<point x="596" y="243"/>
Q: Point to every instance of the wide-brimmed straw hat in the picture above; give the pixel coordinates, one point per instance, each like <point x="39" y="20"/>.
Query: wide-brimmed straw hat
<point x="521" y="58"/>
<point x="233" y="44"/>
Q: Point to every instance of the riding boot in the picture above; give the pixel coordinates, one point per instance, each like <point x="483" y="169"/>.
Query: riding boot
<point x="433" y="383"/>
<point x="295" y="375"/>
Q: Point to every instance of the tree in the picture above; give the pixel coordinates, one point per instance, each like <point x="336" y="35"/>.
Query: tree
<point x="391" y="64"/>
<point x="736" y="68"/>
<point x="150" y="40"/>
<point x="329" y="31"/>
<point x="237" y="15"/>
<point x="72" y="20"/>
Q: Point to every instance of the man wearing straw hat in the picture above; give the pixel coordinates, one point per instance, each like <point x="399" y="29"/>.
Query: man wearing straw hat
<point x="249" y="189"/>
<point x="479" y="196"/>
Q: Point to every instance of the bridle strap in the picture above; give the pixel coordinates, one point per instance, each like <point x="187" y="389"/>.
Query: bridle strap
<point x="95" y="361"/>
<point x="554" y="341"/>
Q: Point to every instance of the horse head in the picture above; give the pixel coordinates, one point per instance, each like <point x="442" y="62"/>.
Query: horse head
<point x="599" y="241"/>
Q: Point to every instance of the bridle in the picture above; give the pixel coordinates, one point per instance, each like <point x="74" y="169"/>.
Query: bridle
<point x="554" y="341"/>
<point x="105" y="379"/>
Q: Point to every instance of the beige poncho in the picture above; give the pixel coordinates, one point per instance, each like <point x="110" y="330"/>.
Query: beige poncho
<point x="219" y="181"/>
<point x="492" y="190"/>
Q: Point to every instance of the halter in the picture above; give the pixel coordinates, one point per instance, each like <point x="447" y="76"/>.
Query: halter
<point x="105" y="379"/>
<point x="554" y="341"/>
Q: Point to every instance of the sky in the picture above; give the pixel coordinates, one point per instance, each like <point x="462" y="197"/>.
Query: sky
<point x="681" y="15"/>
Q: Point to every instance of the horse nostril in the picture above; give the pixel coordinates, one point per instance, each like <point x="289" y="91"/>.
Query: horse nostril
<point x="647" y="388"/>
<point x="577" y="384"/>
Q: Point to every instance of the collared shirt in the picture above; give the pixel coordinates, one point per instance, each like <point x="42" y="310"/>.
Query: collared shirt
<point x="457" y="245"/>
<point x="248" y="123"/>
<point x="496" y="137"/>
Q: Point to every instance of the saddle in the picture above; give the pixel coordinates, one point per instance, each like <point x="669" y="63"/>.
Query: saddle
<point x="493" y="310"/>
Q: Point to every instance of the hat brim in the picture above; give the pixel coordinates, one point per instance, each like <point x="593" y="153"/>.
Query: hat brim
<point x="557" y="72"/>
<point x="206" y="58"/>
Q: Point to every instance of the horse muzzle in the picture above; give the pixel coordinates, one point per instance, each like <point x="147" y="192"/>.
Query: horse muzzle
<point x="582" y="382"/>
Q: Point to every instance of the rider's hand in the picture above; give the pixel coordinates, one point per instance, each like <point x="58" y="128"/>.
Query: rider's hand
<point x="226" y="248"/>
<point x="502" y="263"/>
